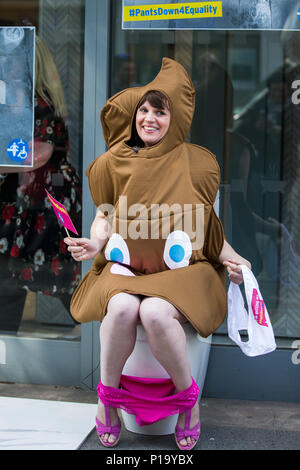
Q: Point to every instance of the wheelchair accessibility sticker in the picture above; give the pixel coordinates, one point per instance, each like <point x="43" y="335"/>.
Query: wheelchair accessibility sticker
<point x="18" y="150"/>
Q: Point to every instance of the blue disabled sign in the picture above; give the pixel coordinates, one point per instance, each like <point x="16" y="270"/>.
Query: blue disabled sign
<point x="18" y="150"/>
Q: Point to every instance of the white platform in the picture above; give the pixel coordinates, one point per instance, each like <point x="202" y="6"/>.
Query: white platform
<point x="27" y="424"/>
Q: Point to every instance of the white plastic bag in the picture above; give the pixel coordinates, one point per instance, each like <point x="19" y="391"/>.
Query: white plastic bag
<point x="257" y="322"/>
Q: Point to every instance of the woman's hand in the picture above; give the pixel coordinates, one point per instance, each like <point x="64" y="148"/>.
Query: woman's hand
<point x="232" y="260"/>
<point x="234" y="270"/>
<point x="82" y="249"/>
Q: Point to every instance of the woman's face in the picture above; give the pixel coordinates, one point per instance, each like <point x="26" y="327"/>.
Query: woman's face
<point x="151" y="123"/>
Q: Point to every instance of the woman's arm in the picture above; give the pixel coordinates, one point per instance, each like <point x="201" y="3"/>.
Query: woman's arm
<point x="83" y="249"/>
<point x="232" y="260"/>
<point x="42" y="153"/>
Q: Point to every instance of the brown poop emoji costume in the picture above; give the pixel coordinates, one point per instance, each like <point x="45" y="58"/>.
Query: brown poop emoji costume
<point x="166" y="237"/>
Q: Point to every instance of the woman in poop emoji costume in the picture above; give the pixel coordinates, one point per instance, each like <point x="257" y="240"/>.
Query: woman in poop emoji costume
<point x="159" y="258"/>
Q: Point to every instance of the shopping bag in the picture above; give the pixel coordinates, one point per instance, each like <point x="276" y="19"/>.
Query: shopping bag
<point x="256" y="321"/>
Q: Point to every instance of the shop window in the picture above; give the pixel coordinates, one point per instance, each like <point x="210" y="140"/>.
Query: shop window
<point x="247" y="113"/>
<point x="37" y="275"/>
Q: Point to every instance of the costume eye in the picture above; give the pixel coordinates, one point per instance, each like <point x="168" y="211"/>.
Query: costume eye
<point x="178" y="250"/>
<point x="117" y="250"/>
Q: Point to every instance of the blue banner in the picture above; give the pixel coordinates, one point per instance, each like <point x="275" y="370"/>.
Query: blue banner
<point x="224" y="14"/>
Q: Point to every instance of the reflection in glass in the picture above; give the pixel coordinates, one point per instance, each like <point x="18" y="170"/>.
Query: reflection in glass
<point x="38" y="275"/>
<point x="245" y="115"/>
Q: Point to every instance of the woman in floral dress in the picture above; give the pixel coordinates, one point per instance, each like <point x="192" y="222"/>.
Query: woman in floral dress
<point x="32" y="252"/>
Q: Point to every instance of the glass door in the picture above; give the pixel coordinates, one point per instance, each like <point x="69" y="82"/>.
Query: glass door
<point x="245" y="114"/>
<point x="39" y="340"/>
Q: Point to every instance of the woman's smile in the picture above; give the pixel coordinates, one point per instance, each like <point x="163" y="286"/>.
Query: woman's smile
<point x="152" y="123"/>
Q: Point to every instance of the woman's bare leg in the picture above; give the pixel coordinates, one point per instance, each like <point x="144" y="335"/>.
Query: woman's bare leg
<point x="167" y="341"/>
<point x="117" y="339"/>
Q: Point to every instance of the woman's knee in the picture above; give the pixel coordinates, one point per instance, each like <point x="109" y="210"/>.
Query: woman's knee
<point x="156" y="314"/>
<point x="124" y="307"/>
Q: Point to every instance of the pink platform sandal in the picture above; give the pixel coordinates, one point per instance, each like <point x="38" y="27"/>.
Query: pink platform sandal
<point x="183" y="433"/>
<point x="108" y="429"/>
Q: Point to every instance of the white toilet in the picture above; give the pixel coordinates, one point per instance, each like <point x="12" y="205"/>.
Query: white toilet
<point x="142" y="363"/>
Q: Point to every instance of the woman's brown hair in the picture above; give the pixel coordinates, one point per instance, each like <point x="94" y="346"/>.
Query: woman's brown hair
<point x="159" y="101"/>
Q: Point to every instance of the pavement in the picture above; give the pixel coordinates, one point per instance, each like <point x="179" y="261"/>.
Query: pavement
<point x="225" y="424"/>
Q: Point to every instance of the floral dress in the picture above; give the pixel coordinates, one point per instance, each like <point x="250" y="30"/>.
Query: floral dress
<point x="31" y="238"/>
